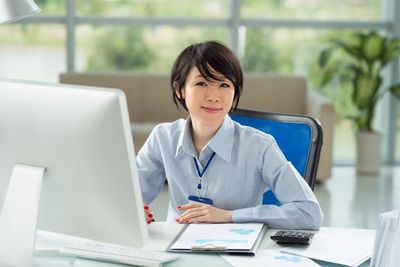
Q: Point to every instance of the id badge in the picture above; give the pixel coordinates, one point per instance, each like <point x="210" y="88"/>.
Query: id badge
<point x="202" y="200"/>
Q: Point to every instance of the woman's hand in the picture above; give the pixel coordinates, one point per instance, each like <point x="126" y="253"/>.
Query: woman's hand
<point x="149" y="216"/>
<point x="200" y="213"/>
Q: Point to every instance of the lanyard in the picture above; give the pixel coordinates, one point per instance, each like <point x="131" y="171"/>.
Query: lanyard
<point x="204" y="170"/>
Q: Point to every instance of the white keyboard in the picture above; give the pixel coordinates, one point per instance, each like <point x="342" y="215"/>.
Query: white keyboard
<point x="119" y="254"/>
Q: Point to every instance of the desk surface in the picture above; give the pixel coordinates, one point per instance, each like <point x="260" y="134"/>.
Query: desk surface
<point x="161" y="234"/>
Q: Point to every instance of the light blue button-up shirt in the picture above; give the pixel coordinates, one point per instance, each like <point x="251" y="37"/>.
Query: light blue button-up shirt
<point x="248" y="162"/>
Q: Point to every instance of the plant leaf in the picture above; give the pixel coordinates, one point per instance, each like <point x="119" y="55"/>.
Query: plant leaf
<point x="365" y="90"/>
<point x="324" y="57"/>
<point x="351" y="50"/>
<point x="395" y="90"/>
<point x="326" y="76"/>
<point x="392" y="51"/>
<point x="373" y="47"/>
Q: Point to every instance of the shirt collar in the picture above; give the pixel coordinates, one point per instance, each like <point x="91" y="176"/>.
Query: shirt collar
<point x="221" y="143"/>
<point x="185" y="142"/>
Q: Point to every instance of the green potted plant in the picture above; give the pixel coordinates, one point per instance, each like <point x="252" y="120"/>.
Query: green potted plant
<point x="363" y="57"/>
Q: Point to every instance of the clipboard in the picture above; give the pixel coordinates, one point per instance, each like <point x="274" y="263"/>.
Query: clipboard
<point x="217" y="247"/>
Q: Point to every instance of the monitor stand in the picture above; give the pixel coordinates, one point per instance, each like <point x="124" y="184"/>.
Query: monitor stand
<point x="18" y="217"/>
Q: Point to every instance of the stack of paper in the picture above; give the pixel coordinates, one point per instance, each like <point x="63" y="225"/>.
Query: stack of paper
<point x="387" y="244"/>
<point x="345" y="246"/>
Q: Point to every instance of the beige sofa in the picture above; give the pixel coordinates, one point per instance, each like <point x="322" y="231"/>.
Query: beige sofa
<point x="150" y="102"/>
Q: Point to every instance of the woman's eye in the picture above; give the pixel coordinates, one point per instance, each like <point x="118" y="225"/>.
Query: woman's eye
<point x="225" y="85"/>
<point x="201" y="84"/>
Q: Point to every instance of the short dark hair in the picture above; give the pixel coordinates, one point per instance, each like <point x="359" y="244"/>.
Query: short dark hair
<point x="209" y="57"/>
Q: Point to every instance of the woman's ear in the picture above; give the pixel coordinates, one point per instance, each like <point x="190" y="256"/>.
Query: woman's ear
<point x="180" y="94"/>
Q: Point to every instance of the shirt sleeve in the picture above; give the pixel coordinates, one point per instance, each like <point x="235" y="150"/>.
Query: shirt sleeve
<point x="150" y="167"/>
<point x="299" y="209"/>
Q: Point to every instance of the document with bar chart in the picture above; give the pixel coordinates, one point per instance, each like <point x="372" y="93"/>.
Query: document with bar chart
<point x="229" y="237"/>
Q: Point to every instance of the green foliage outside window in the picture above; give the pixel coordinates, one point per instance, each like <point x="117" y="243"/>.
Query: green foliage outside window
<point x="259" y="56"/>
<point x="120" y="49"/>
<point x="51" y="7"/>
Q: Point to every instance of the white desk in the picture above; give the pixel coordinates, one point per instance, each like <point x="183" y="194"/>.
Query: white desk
<point x="161" y="234"/>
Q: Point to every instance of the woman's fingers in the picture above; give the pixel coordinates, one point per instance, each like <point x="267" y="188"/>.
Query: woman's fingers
<point x="149" y="216"/>
<point x="203" y="213"/>
<point x="194" y="212"/>
<point x="190" y="206"/>
<point x="190" y="214"/>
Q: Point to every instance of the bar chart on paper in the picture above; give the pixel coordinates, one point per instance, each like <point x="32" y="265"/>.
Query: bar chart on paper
<point x="229" y="236"/>
<point x="270" y="258"/>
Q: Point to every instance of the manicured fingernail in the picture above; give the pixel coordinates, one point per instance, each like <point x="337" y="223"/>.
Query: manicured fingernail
<point x="148" y="221"/>
<point x="177" y="220"/>
<point x="146" y="207"/>
<point x="150" y="216"/>
<point x="187" y="221"/>
<point x="179" y="207"/>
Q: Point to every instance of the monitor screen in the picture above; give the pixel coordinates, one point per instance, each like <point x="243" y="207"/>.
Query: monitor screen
<point x="82" y="137"/>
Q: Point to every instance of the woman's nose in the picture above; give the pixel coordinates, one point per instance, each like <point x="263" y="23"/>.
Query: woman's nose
<point x="212" y="93"/>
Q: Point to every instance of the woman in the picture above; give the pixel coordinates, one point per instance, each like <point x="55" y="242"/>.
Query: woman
<point x="217" y="170"/>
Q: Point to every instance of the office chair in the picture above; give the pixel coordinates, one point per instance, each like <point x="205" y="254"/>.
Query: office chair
<point x="298" y="136"/>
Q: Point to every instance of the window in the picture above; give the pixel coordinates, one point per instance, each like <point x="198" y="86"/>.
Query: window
<point x="136" y="48"/>
<point x="366" y="10"/>
<point x="32" y="52"/>
<point x="280" y="36"/>
<point x="205" y="9"/>
<point x="51" y="7"/>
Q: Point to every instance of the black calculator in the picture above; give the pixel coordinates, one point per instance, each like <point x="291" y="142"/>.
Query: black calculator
<point x="292" y="237"/>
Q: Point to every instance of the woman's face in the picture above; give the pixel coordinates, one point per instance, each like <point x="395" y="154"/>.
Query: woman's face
<point x="207" y="101"/>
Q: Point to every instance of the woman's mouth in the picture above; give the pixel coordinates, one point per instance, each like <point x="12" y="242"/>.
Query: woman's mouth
<point x="212" y="109"/>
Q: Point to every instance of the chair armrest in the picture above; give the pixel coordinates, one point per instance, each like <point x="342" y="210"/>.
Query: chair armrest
<point x="321" y="108"/>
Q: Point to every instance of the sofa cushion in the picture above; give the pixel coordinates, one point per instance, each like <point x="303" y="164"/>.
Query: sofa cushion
<point x="130" y="84"/>
<point x="158" y="96"/>
<point x="274" y="93"/>
<point x="148" y="96"/>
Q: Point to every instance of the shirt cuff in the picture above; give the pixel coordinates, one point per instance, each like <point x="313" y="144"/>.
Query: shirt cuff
<point x="243" y="215"/>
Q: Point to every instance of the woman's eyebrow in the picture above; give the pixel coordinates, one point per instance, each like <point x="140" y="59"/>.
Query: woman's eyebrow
<point x="218" y="78"/>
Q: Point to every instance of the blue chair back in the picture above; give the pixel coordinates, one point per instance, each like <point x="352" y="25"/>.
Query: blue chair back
<point x="298" y="136"/>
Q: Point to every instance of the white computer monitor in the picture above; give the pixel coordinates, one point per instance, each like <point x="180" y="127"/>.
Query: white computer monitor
<point x="81" y="138"/>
